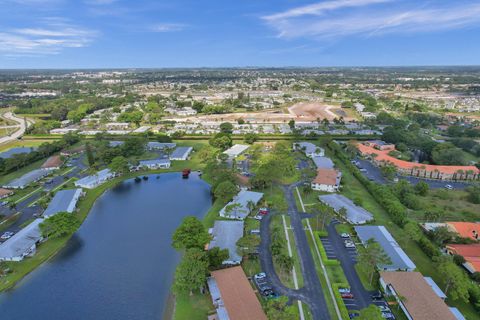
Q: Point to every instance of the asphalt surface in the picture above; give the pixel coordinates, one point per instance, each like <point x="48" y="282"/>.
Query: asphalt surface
<point x="29" y="211"/>
<point x="17" y="134"/>
<point x="311" y="294"/>
<point x="335" y="248"/>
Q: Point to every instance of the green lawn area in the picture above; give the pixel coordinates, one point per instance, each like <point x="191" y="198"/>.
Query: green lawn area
<point x="196" y="307"/>
<point x="364" y="278"/>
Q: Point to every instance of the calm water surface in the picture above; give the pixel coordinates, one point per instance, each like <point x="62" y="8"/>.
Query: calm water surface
<point x="119" y="265"/>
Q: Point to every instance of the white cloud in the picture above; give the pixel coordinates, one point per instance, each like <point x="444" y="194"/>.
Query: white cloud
<point x="168" y="27"/>
<point x="314" y="22"/>
<point x="50" y="38"/>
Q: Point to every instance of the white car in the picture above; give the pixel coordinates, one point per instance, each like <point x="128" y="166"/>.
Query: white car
<point x="258" y="217"/>
<point x="344" y="290"/>
<point x="349" y="244"/>
<point x="261" y="275"/>
<point x="449" y="187"/>
<point x="384" y="308"/>
<point x="7" y="235"/>
<point x="345" y="235"/>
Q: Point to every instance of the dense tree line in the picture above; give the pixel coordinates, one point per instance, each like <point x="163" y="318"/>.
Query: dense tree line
<point x="46" y="149"/>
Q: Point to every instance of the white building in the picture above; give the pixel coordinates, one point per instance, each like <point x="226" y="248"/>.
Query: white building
<point x="327" y="180"/>
<point x="155" y="164"/>
<point x="310" y="149"/>
<point x="63" y="201"/>
<point x="225" y="235"/>
<point x="236" y="150"/>
<point x="93" y="181"/>
<point x="181" y="153"/>
<point x="239" y="207"/>
<point x="23" y="243"/>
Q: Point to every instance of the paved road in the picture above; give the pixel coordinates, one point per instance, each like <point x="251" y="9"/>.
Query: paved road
<point x="18" y="133"/>
<point x="311" y="294"/>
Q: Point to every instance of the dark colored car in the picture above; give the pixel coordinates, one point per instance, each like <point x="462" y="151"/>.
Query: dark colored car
<point x="377" y="295"/>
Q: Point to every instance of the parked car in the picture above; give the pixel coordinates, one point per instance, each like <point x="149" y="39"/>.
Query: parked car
<point x="261" y="275"/>
<point x="349" y="244"/>
<point x="258" y="217"/>
<point x="346" y="295"/>
<point x="255" y="231"/>
<point x="388" y="315"/>
<point x="377" y="295"/>
<point x="383" y="308"/>
<point x="7" y="235"/>
<point x="344" y="290"/>
<point x="263" y="211"/>
<point x="345" y="235"/>
<point x="363" y="170"/>
<point x="449" y="187"/>
<point x="353" y="315"/>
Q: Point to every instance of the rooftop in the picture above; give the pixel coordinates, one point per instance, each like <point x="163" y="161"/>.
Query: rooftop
<point x="237" y="294"/>
<point x="22" y="241"/>
<point x="471" y="253"/>
<point x="327" y="176"/>
<point x="466" y="229"/>
<point x="92" y="179"/>
<point x="323" y="162"/>
<point x="225" y="236"/>
<point x="355" y="214"/>
<point x="27" y="178"/>
<point x="181" y="153"/>
<point x="382" y="155"/>
<point x="400" y="260"/>
<point x="52" y="162"/>
<point x="420" y="299"/>
<point x="63" y="201"/>
<point x="242" y="199"/>
<point x="236" y="150"/>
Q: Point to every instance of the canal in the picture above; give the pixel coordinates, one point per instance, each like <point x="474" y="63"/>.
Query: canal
<point x="120" y="263"/>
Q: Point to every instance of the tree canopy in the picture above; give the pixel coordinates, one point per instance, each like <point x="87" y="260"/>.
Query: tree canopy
<point x="190" y="234"/>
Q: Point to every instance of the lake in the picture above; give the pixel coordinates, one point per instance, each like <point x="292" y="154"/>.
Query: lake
<point x="120" y="263"/>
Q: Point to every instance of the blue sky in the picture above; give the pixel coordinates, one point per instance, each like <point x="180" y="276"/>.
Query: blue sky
<point x="229" y="33"/>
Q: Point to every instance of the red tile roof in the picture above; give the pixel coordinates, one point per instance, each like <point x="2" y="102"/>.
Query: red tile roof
<point x="52" y="162"/>
<point x="5" y="192"/>
<point x="471" y="253"/>
<point x="382" y="155"/>
<point x="466" y="229"/>
<point x="326" y="176"/>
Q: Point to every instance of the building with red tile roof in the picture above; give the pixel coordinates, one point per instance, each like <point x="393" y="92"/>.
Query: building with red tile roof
<point x="428" y="171"/>
<point x="469" y="230"/>
<point x="52" y="163"/>
<point x="5" y="193"/>
<point x="327" y="180"/>
<point x="470" y="252"/>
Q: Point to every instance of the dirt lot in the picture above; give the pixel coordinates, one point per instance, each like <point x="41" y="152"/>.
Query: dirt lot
<point x="313" y="110"/>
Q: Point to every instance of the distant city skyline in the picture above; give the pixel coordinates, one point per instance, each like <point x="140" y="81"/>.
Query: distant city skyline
<point x="214" y="33"/>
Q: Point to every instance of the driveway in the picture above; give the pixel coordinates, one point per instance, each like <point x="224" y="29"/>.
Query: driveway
<point x="311" y="294"/>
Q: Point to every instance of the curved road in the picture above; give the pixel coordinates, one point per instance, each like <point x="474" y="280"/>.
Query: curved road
<point x="311" y="294"/>
<point x="21" y="122"/>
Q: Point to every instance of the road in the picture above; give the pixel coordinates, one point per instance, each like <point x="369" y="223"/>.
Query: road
<point x="18" y="133"/>
<point x="311" y="294"/>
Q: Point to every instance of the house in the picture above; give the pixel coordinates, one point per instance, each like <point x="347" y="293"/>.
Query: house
<point x="355" y="214"/>
<point x="236" y="150"/>
<point x="181" y="153"/>
<point x="233" y="296"/>
<point x="52" y="163"/>
<point x="327" y="180"/>
<point x="470" y="252"/>
<point x="23" y="243"/>
<point x="241" y="205"/>
<point x="323" y="162"/>
<point x="26" y="179"/>
<point x="418" y="299"/>
<point x="380" y="145"/>
<point x="155" y="164"/>
<point x="225" y="235"/>
<point x="428" y="171"/>
<point x="63" y="201"/>
<point x="93" y="181"/>
<point x="310" y="149"/>
<point x="469" y="230"/>
<point x="5" y="193"/>
<point x="398" y="257"/>
<point x="153" y="145"/>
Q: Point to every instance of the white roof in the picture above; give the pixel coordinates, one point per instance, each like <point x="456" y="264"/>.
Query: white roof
<point x="225" y="236"/>
<point x="309" y="147"/>
<point x="435" y="288"/>
<point x="236" y="150"/>
<point x="153" y="162"/>
<point x="323" y="162"/>
<point x="28" y="178"/>
<point x="94" y="178"/>
<point x="63" y="201"/>
<point x="355" y="214"/>
<point x="242" y="198"/>
<point x="22" y="241"/>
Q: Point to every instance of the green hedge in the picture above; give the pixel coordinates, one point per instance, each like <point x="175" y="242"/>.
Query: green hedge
<point x="338" y="297"/>
<point x="323" y="253"/>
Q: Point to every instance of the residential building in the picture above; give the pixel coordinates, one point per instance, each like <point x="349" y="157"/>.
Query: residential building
<point x="26" y="179"/>
<point x="181" y="153"/>
<point x="233" y="296"/>
<point x="354" y="214"/>
<point x="93" y="181"/>
<point x="236" y="150"/>
<point x="380" y="145"/>
<point x="52" y="163"/>
<point x="155" y="164"/>
<point x="63" y="201"/>
<point x="153" y="145"/>
<point x="398" y="257"/>
<point x="323" y="162"/>
<point x="23" y="243"/>
<point x="5" y="193"/>
<point x="241" y="205"/>
<point x="470" y="252"/>
<point x="416" y="296"/>
<point x="428" y="171"/>
<point x="327" y="180"/>
<point x="225" y="235"/>
<point x="310" y="149"/>
<point x="469" y="230"/>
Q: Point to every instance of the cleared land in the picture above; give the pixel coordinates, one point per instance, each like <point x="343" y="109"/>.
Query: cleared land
<point x="315" y="110"/>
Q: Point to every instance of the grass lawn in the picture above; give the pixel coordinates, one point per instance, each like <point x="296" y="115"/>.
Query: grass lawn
<point x="365" y="279"/>
<point x="21" y="143"/>
<point x="196" y="307"/>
